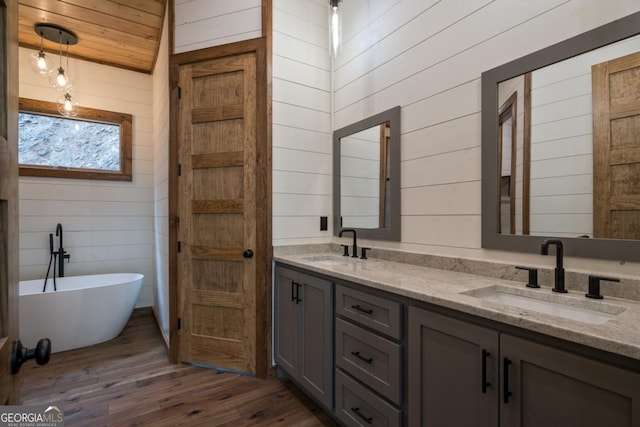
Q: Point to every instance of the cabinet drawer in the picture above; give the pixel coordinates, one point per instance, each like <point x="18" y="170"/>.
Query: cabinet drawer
<point x="377" y="313"/>
<point x="372" y="359"/>
<point x="358" y="406"/>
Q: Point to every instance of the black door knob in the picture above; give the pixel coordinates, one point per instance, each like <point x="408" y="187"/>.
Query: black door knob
<point x="20" y="354"/>
<point x="248" y="253"/>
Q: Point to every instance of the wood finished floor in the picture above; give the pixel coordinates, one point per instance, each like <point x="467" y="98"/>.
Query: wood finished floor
<point x="129" y="382"/>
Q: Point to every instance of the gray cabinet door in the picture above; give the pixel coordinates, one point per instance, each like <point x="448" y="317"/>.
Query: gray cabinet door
<point x="286" y="321"/>
<point x="453" y="372"/>
<point x="316" y="346"/>
<point x="549" y="387"/>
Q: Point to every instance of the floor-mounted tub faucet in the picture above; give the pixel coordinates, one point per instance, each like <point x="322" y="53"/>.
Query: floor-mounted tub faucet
<point x="559" y="271"/>
<point x="62" y="254"/>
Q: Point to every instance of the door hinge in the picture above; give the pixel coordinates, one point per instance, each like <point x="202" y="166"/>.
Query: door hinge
<point x="179" y="323"/>
<point x="179" y="246"/>
<point x="179" y="92"/>
<point x="179" y="169"/>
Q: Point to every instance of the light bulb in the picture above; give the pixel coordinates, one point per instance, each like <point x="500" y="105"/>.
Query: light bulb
<point x="67" y="105"/>
<point x="40" y="63"/>
<point x="335" y="27"/>
<point x="60" y="80"/>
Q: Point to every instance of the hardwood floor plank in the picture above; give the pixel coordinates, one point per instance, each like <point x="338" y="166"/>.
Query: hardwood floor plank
<point x="128" y="381"/>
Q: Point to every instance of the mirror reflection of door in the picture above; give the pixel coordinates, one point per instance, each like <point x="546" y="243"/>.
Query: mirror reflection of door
<point x="514" y="155"/>
<point x="616" y="148"/>
<point x="507" y="164"/>
<point x="385" y="176"/>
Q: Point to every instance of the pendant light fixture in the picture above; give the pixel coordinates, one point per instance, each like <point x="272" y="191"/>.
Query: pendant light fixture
<point x="40" y="62"/>
<point x="67" y="104"/>
<point x="59" y="78"/>
<point x="335" y="27"/>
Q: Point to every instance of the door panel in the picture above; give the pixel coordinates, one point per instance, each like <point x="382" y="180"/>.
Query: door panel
<point x="552" y="387"/>
<point x="217" y="209"/>
<point x="287" y="320"/>
<point x="616" y="148"/>
<point x="9" y="391"/>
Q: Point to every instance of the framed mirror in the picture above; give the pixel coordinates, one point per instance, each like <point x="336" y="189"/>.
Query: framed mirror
<point x="366" y="176"/>
<point x="561" y="146"/>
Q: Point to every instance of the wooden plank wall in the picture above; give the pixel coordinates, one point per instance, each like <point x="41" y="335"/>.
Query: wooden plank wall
<point x="161" y="182"/>
<point x="108" y="225"/>
<point x="427" y="56"/>
<point x="302" y="145"/>
<point x="206" y="23"/>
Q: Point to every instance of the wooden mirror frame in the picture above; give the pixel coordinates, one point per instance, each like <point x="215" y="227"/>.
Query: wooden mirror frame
<point x="616" y="249"/>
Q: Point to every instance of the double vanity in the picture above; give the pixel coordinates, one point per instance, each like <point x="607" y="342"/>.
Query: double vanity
<point x="381" y="343"/>
<point x="386" y="343"/>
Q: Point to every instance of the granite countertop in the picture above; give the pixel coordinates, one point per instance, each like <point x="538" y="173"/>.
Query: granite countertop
<point x="461" y="292"/>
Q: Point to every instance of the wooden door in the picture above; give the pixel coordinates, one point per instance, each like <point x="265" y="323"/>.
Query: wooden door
<point x="9" y="391"/>
<point x="616" y="148"/>
<point x="223" y="210"/>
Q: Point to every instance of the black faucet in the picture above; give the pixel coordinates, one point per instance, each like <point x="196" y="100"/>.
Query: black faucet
<point x="355" y="244"/>
<point x="559" y="271"/>
<point x="62" y="254"/>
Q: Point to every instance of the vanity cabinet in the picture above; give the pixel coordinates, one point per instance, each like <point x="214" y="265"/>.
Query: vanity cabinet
<point x="453" y="368"/>
<point x="368" y="355"/>
<point x="463" y="374"/>
<point x="543" y="386"/>
<point x="303" y="326"/>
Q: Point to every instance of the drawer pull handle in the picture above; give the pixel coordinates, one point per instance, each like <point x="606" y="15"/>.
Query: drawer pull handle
<point x="485" y="383"/>
<point x="361" y="357"/>
<point x="368" y="420"/>
<point x="363" y="310"/>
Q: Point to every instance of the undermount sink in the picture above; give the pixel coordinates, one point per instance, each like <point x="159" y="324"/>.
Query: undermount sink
<point x="541" y="301"/>
<point x="329" y="259"/>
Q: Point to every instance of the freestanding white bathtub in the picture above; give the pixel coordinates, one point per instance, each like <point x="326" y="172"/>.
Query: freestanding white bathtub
<point x="85" y="310"/>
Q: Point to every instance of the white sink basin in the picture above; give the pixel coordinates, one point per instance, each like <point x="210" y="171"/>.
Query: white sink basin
<point x="542" y="301"/>
<point x="329" y="259"/>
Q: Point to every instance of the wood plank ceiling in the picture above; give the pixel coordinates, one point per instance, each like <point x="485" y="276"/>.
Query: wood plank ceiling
<point x="120" y="33"/>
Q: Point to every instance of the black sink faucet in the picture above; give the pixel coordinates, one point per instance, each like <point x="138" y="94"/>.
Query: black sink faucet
<point x="355" y="243"/>
<point x="62" y="254"/>
<point x="559" y="271"/>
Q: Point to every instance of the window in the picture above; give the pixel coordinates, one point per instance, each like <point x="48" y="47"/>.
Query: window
<point x="95" y="144"/>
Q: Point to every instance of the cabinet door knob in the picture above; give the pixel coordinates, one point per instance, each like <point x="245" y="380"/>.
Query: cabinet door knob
<point x="248" y="253"/>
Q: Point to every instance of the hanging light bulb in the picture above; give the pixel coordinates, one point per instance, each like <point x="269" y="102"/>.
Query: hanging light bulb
<point x="335" y="27"/>
<point x="67" y="105"/>
<point x="59" y="78"/>
<point x="40" y="62"/>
